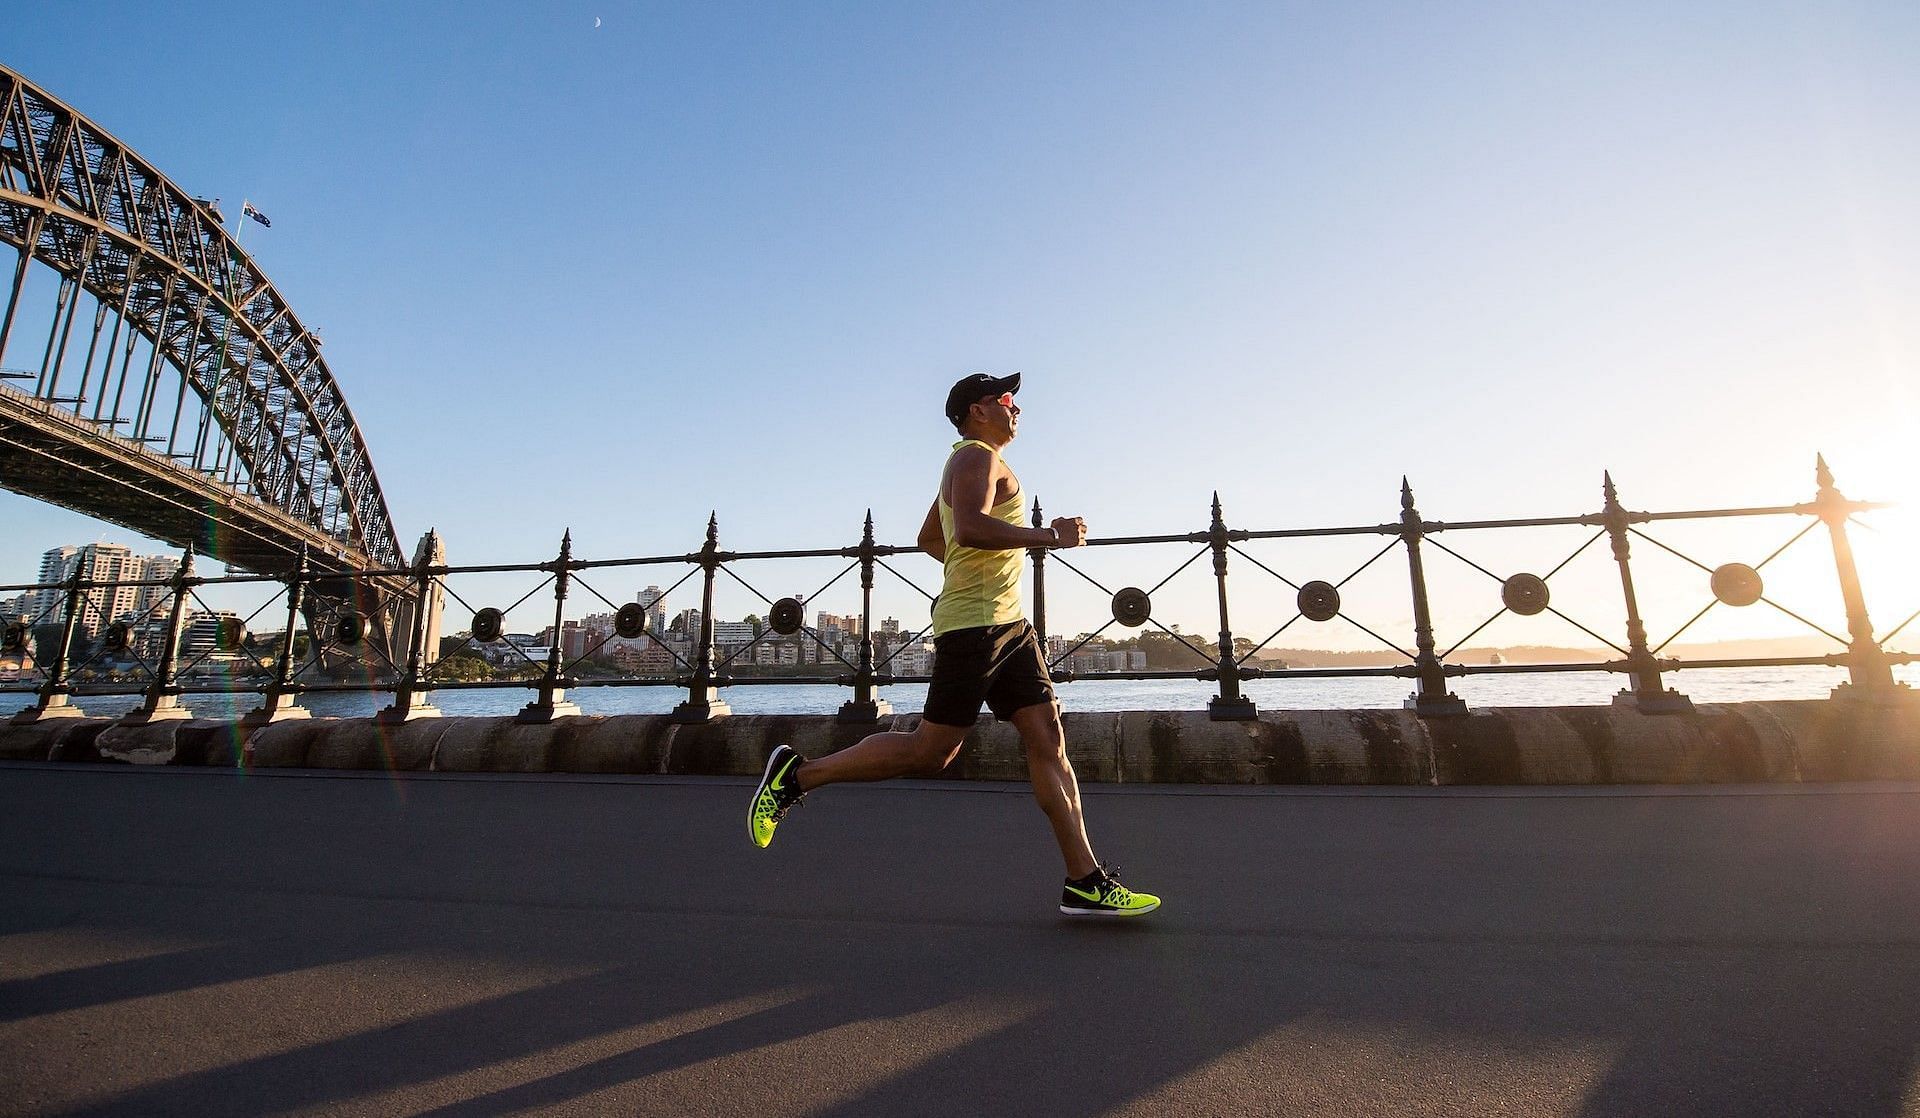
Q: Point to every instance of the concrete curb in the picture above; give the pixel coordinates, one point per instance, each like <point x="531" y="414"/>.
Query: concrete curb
<point x="1791" y="742"/>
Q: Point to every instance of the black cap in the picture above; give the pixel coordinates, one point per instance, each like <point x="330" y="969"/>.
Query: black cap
<point x="968" y="390"/>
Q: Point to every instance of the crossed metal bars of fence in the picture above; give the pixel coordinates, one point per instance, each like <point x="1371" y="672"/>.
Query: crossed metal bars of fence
<point x="703" y="672"/>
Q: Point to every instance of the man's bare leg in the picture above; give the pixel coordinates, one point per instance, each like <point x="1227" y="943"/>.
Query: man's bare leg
<point x="1054" y="785"/>
<point x="923" y="751"/>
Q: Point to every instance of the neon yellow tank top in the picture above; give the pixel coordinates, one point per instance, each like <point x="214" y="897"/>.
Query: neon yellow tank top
<point x="981" y="587"/>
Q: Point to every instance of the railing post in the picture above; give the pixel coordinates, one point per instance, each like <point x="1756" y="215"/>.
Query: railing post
<point x="865" y="706"/>
<point x="1229" y="705"/>
<point x="1039" y="555"/>
<point x="1869" y="674"/>
<point x="410" y="698"/>
<point x="55" y="696"/>
<point x="162" y="703"/>
<point x="278" y="703"/>
<point x="1646" y="695"/>
<point x="703" y="698"/>
<point x="551" y="703"/>
<point x="1431" y="699"/>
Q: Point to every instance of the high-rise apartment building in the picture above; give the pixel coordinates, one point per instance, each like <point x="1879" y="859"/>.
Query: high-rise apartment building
<point x="100" y="606"/>
<point x="654" y="602"/>
<point x="55" y="566"/>
<point x="152" y="598"/>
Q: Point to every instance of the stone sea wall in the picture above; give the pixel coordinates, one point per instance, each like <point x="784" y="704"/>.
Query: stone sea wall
<point x="1800" y="741"/>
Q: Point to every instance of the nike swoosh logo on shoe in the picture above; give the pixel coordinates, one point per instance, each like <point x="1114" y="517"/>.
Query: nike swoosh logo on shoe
<point x="779" y="778"/>
<point x="1093" y="896"/>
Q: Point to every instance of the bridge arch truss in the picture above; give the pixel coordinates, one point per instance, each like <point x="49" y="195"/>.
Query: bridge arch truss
<point x="191" y="367"/>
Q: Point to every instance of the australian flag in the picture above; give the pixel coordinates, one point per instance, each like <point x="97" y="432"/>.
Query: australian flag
<point x="247" y="209"/>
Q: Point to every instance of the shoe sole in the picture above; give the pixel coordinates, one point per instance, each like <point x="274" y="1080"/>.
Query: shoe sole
<point x="766" y="778"/>
<point x="1108" y="913"/>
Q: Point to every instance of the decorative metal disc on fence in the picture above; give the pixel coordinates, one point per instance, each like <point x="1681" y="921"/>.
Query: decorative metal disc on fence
<point x="1132" y="606"/>
<point x="117" y="637"/>
<point x="349" y="628"/>
<point x="1525" y="594"/>
<point x="488" y="624"/>
<point x="1737" y="584"/>
<point x="786" y="616"/>
<point x="14" y="641"/>
<point x="630" y="621"/>
<point x="1318" y="601"/>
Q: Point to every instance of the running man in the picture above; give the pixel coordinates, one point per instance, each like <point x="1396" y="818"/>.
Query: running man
<point x="983" y="651"/>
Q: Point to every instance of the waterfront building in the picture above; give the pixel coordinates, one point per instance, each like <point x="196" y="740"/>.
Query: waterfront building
<point x="201" y="639"/>
<point x="514" y="649"/>
<point x="574" y="640"/>
<point x="843" y="624"/>
<point x="642" y="657"/>
<point x="732" y="632"/>
<point x="598" y="628"/>
<point x="653" y="601"/>
<point x="912" y="659"/>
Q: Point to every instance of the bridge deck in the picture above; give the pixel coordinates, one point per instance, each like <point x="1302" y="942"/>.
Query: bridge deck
<point x="51" y="455"/>
<point x="193" y="942"/>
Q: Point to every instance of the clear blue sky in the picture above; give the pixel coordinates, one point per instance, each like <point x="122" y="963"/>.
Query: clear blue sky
<point x="730" y="256"/>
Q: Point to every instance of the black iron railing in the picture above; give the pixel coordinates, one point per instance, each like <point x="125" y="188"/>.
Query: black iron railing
<point x="338" y="628"/>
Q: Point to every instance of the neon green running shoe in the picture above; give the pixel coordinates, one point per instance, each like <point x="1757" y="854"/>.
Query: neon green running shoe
<point x="1101" y="894"/>
<point x="777" y="794"/>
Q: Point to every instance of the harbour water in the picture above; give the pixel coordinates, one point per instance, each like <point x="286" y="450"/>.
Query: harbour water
<point x="1718" y="685"/>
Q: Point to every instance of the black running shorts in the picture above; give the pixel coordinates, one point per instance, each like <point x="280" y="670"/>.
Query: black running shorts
<point x="1000" y="665"/>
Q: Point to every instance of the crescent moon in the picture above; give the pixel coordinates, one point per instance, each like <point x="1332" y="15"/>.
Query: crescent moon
<point x="596" y="21"/>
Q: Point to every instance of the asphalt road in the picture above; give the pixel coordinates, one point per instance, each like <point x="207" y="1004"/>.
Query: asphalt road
<point x="202" y="943"/>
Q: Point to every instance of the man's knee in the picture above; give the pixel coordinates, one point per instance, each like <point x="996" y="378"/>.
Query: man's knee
<point x="1044" y="738"/>
<point x="935" y="746"/>
<point x="1037" y="719"/>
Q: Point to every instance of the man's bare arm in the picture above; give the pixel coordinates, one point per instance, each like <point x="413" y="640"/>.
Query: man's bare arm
<point x="932" y="540"/>
<point x="970" y="485"/>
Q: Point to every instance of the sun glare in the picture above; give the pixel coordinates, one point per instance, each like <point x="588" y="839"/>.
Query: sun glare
<point x="1890" y="476"/>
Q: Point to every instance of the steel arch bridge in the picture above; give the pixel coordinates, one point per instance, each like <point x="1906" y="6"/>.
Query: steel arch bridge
<point x="197" y="408"/>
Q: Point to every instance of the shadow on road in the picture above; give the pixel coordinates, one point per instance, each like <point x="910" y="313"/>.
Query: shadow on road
<point x="611" y="950"/>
